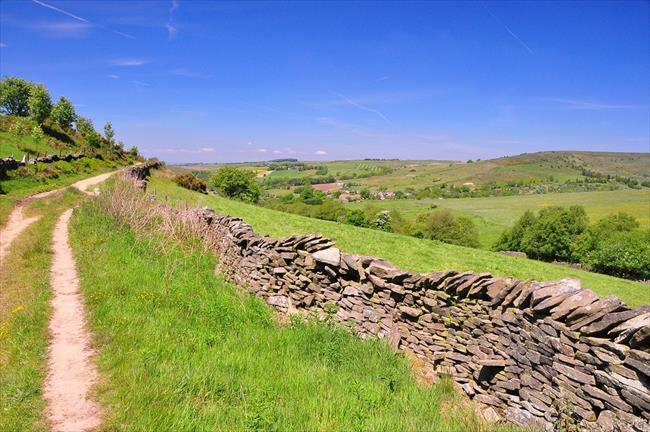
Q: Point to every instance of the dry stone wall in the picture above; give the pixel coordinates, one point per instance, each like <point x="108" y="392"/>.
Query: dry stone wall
<point x="8" y="164"/>
<point x="529" y="352"/>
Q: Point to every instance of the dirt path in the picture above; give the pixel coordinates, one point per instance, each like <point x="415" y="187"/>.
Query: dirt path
<point x="71" y="372"/>
<point x="18" y="222"/>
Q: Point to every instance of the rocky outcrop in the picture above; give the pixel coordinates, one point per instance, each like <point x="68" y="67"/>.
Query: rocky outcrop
<point x="528" y="352"/>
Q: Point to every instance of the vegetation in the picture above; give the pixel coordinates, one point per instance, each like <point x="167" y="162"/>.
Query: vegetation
<point x="24" y="312"/>
<point x="235" y="183"/>
<point x="614" y="245"/>
<point x="207" y="356"/>
<point x="446" y="227"/>
<point x="407" y="252"/>
<point x="188" y="181"/>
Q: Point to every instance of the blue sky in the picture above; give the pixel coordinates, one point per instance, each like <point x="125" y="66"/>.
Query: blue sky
<point x="219" y="81"/>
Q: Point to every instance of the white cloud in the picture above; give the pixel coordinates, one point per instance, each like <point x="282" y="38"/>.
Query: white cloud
<point x="3" y="45"/>
<point x="63" y="29"/>
<point x="276" y="152"/>
<point x="262" y="150"/>
<point x="129" y="62"/>
<point x="184" y="72"/>
<point x="171" y="30"/>
<point x="575" y="104"/>
<point x="208" y="149"/>
<point x="320" y="152"/>
<point x="113" y="76"/>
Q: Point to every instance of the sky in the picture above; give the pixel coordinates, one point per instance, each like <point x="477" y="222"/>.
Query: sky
<point x="208" y="81"/>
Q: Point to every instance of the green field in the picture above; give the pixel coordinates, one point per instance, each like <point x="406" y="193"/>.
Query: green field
<point x="494" y="214"/>
<point x="407" y="252"/>
<point x="543" y="167"/>
<point x="180" y="349"/>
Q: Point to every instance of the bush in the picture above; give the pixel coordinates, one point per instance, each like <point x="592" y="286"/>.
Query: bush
<point x="624" y="254"/>
<point x="63" y="113"/>
<point x="188" y="181"/>
<point x="235" y="183"/>
<point x="356" y="217"/>
<point x="548" y="236"/>
<point x="446" y="227"/>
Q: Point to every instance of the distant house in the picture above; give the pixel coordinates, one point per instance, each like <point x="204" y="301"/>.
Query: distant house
<point x="328" y="187"/>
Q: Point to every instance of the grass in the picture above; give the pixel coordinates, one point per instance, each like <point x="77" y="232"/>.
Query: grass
<point x="180" y="349"/>
<point x="18" y="188"/>
<point x="407" y="252"/>
<point x="494" y="214"/>
<point x="24" y="313"/>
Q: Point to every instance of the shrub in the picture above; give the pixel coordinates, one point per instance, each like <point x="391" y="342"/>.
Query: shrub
<point x="356" y="217"/>
<point x="235" y="183"/>
<point x="511" y="239"/>
<point x="623" y="253"/>
<point x="446" y="227"/>
<point x="188" y="181"/>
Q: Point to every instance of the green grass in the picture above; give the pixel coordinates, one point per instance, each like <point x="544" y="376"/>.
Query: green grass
<point x="24" y="313"/>
<point x="181" y="350"/>
<point x="18" y="188"/>
<point x="494" y="214"/>
<point x="407" y="252"/>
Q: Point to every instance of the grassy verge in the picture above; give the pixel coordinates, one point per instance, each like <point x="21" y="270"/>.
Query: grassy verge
<point x="24" y="313"/>
<point x="407" y="252"/>
<point x="181" y="350"/>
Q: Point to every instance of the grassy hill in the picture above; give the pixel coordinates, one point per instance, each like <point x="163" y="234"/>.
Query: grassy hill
<point x="407" y="252"/>
<point x="542" y="167"/>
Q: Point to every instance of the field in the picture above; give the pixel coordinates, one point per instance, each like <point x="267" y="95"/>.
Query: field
<point x="544" y="167"/>
<point x="180" y="349"/>
<point x="407" y="252"/>
<point x="494" y="214"/>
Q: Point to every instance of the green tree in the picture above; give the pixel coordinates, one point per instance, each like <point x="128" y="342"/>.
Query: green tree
<point x="584" y="245"/>
<point x="235" y="183"/>
<point x="511" y="239"/>
<point x="554" y="230"/>
<point x="446" y="227"/>
<point x="134" y="152"/>
<point x="356" y="217"/>
<point x="624" y="254"/>
<point x="40" y="103"/>
<point x="14" y="96"/>
<point x="63" y="113"/>
<point x="87" y="130"/>
<point x="109" y="133"/>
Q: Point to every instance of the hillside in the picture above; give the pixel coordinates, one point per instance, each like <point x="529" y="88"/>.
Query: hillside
<point x="407" y="252"/>
<point x="537" y="168"/>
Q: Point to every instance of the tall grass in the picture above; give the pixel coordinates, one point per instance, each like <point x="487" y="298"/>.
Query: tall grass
<point x="181" y="350"/>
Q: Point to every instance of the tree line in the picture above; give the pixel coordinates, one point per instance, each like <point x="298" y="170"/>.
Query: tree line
<point x="22" y="98"/>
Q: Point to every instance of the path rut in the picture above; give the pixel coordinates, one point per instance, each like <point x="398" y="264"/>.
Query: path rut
<point x="71" y="372"/>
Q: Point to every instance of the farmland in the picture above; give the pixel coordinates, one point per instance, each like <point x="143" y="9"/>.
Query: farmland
<point x="493" y="214"/>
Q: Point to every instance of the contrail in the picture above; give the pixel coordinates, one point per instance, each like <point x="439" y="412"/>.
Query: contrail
<point x="513" y="34"/>
<point x="77" y="17"/>
<point x="363" y="107"/>
<point x="54" y="8"/>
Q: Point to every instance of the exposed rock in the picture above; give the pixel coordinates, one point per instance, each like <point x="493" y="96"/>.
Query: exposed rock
<point x="331" y="256"/>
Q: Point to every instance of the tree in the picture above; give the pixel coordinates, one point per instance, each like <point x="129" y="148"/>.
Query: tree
<point x="134" y="152"/>
<point x="40" y="103"/>
<point x="624" y="254"/>
<point x="510" y="240"/>
<point x="109" y="133"/>
<point x="14" y="96"/>
<point x="63" y="113"/>
<point x="356" y="217"/>
<point x="87" y="130"/>
<point x="446" y="227"/>
<point x="554" y="230"/>
<point x="235" y="183"/>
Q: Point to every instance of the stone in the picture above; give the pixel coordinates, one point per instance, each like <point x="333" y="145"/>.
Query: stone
<point x="410" y="312"/>
<point x="558" y="290"/>
<point x="574" y="374"/>
<point x="574" y="301"/>
<point x="499" y="286"/>
<point x="641" y="338"/>
<point x="490" y="415"/>
<point x="331" y="256"/>
<point x="609" y="321"/>
<point x="586" y="314"/>
<point x="632" y="324"/>
<point x="639" y="361"/>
